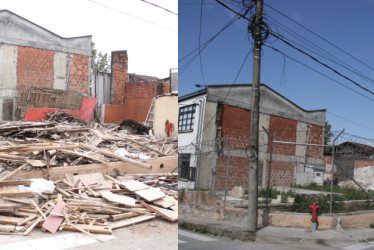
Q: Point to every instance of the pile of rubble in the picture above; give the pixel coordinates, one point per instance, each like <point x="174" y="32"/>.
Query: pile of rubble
<point x="81" y="187"/>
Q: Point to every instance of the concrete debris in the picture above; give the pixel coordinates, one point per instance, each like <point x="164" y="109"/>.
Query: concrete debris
<point x="65" y="174"/>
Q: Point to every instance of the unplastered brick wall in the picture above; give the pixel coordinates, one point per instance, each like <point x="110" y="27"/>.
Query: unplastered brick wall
<point x="236" y="125"/>
<point x="315" y="137"/>
<point x="282" y="173"/>
<point x="34" y="68"/>
<point x="79" y="74"/>
<point x="238" y="173"/>
<point x="119" y="75"/>
<point x="141" y="89"/>
<point x="283" y="129"/>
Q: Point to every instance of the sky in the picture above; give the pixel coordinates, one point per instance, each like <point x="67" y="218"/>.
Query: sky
<point x="149" y="34"/>
<point x="347" y="25"/>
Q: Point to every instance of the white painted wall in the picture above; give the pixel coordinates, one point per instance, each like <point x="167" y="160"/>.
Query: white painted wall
<point x="165" y="110"/>
<point x="186" y="138"/>
<point x="60" y="69"/>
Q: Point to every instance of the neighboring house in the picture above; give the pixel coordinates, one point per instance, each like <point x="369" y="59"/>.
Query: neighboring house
<point x="31" y="56"/>
<point x="130" y="95"/>
<point x="224" y="111"/>
<point x="346" y="154"/>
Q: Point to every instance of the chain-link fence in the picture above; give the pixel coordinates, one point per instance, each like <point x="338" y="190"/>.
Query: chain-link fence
<point x="295" y="169"/>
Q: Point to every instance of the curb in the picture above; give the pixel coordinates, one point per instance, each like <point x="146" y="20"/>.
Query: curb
<point x="238" y="233"/>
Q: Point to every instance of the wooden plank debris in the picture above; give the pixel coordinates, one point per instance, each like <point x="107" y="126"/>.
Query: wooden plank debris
<point x="130" y="221"/>
<point x="54" y="220"/>
<point x="150" y="194"/>
<point x="170" y="215"/>
<point x="121" y="199"/>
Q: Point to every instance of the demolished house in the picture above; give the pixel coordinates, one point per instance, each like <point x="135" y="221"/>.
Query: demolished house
<point x="58" y="169"/>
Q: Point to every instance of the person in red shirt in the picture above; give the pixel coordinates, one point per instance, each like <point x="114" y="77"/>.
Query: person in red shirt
<point x="168" y="128"/>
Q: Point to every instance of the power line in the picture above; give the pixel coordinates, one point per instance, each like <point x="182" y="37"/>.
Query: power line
<point x="345" y="119"/>
<point x="303" y="52"/>
<point x="201" y="22"/>
<point x="204" y="46"/>
<point x="309" y="67"/>
<point x="228" y="92"/>
<point x="323" y="64"/>
<point x="320" y="37"/>
<point x="321" y="52"/>
<point x="127" y="14"/>
<point x="155" y="5"/>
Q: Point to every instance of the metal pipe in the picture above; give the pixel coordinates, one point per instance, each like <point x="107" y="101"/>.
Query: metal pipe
<point x="269" y="174"/>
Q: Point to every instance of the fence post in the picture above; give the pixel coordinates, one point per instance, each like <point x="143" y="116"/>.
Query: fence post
<point x="269" y="174"/>
<point x="332" y="169"/>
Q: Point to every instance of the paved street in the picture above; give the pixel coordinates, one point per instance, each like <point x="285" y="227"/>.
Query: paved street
<point x="190" y="240"/>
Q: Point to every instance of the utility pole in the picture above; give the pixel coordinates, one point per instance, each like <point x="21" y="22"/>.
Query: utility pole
<point x="255" y="117"/>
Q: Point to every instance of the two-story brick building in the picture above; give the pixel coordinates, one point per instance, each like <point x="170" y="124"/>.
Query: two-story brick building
<point x="224" y="111"/>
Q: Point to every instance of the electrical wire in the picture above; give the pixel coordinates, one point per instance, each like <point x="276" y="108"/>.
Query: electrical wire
<point x="309" y="67"/>
<point x="201" y="22"/>
<point x="136" y="17"/>
<point x="345" y="119"/>
<point x="158" y="6"/>
<point x="319" y="36"/>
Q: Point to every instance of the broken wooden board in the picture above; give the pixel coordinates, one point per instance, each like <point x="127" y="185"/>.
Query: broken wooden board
<point x="170" y="215"/>
<point x="134" y="185"/>
<point x="130" y="221"/>
<point x="150" y="194"/>
<point x="121" y="199"/>
<point x="89" y="179"/>
<point x="169" y="163"/>
<point x="166" y="202"/>
<point x="37" y="163"/>
<point x="55" y="218"/>
<point x="89" y="228"/>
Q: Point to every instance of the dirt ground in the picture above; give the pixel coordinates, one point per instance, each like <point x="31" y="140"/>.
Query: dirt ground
<point x="156" y="235"/>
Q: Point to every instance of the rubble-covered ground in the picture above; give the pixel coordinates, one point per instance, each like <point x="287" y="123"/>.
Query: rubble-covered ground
<point x="66" y="175"/>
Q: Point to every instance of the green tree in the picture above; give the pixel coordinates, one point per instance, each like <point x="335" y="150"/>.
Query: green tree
<point x="100" y="61"/>
<point x="327" y="137"/>
<point x="327" y="133"/>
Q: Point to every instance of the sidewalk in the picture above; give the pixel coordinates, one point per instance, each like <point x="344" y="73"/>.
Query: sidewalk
<point x="276" y="234"/>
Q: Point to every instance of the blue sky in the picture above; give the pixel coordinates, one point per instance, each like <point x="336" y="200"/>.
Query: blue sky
<point x="346" y="24"/>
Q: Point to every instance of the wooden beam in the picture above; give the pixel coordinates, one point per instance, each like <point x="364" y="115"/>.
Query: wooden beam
<point x="169" y="163"/>
<point x="7" y="176"/>
<point x="113" y="155"/>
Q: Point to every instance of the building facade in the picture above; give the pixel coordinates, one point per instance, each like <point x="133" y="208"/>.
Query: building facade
<point x="214" y="138"/>
<point x="31" y="56"/>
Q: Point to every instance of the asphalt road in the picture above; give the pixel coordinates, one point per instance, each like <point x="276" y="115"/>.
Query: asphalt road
<point x="188" y="240"/>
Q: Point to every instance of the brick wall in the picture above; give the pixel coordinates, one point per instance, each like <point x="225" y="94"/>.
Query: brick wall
<point x="34" y="68"/>
<point x="282" y="173"/>
<point x="119" y="75"/>
<point x="141" y="90"/>
<point x="79" y="74"/>
<point x="238" y="173"/>
<point x="236" y="123"/>
<point x="282" y="129"/>
<point x="315" y="137"/>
